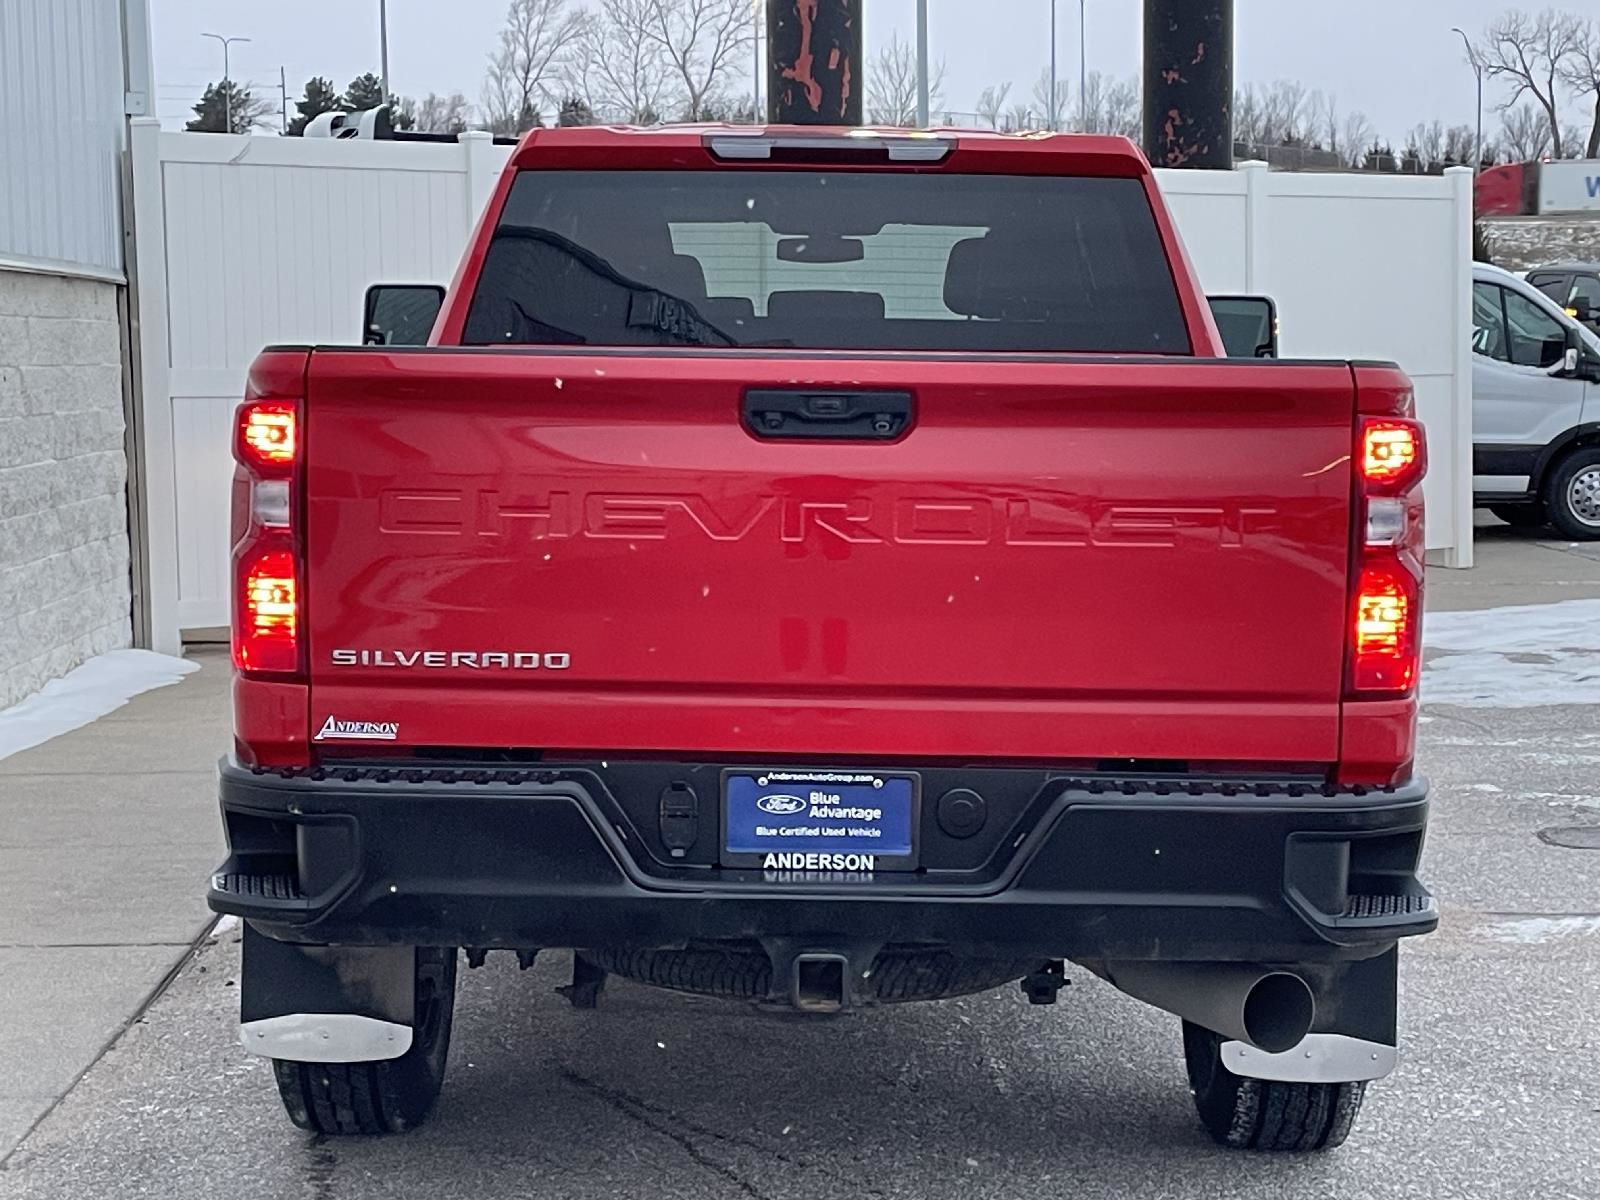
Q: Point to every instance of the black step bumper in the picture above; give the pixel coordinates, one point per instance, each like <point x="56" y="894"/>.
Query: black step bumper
<point x="1076" y="867"/>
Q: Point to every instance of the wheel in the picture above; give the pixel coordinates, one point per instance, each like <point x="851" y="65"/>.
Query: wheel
<point x="1572" y="495"/>
<point x="1521" y="516"/>
<point x="1253" y="1114"/>
<point x="380" y="1097"/>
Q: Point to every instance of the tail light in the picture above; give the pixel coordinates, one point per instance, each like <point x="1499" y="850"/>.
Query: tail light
<point x="1386" y="594"/>
<point x="1394" y="455"/>
<point x="1383" y="657"/>
<point x="267" y="436"/>
<point x="267" y="636"/>
<point x="268" y="603"/>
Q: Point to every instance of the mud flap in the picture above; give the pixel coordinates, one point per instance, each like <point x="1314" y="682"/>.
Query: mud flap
<point x="1354" y="1037"/>
<point x="326" y="1003"/>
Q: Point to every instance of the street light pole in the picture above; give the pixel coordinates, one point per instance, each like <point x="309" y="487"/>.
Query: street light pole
<point x="227" y="79"/>
<point x="1053" y="66"/>
<point x="922" y="64"/>
<point x="383" y="45"/>
<point x="1477" y="69"/>
<point x="1083" y="68"/>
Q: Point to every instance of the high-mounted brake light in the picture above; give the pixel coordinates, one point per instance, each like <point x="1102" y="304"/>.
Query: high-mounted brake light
<point x="267" y="625"/>
<point x="1392" y="454"/>
<point x="912" y="147"/>
<point x="267" y="438"/>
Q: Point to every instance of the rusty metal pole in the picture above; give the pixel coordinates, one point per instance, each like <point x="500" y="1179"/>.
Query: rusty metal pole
<point x="1188" y="83"/>
<point x="814" y="62"/>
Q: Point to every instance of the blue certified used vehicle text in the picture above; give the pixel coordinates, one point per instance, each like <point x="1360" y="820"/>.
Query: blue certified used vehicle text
<point x="826" y="812"/>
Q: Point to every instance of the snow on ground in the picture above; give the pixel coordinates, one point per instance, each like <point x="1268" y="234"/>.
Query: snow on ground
<point x="1521" y="657"/>
<point x="86" y="693"/>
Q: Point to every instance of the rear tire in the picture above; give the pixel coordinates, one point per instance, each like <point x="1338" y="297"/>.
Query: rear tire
<point x="1253" y="1114"/>
<point x="1522" y="516"/>
<point x="1572" y="495"/>
<point x="391" y="1096"/>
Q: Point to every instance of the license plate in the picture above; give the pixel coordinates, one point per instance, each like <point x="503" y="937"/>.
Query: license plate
<point x="820" y="820"/>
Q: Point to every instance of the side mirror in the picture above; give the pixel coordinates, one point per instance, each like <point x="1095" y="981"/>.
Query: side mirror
<point x="1248" y="324"/>
<point x="1582" y="310"/>
<point x="1571" y="354"/>
<point x="400" y="314"/>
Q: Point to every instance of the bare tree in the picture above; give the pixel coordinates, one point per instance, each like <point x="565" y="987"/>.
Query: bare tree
<point x="1531" y="54"/>
<point x="1460" y="144"/>
<point x="1247" y="115"/>
<point x="1321" y="112"/>
<point x="1356" y="136"/>
<point x="439" y="114"/>
<point x="1018" y="117"/>
<point x="1056" y="114"/>
<point x="538" y="36"/>
<point x="892" y="85"/>
<point x="992" y="104"/>
<point x="1109" y="106"/>
<point x="1331" y="129"/>
<point x="1124" y="112"/>
<point x="702" y="42"/>
<point x="618" y="68"/>
<point x="1283" y="113"/>
<point x="1581" y="73"/>
<point x="1525" y="132"/>
<point x="1428" y="142"/>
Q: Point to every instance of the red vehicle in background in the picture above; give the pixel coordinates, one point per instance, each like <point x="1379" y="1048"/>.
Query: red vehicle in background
<point x="827" y="568"/>
<point x="1506" y="191"/>
<point x="1563" y="187"/>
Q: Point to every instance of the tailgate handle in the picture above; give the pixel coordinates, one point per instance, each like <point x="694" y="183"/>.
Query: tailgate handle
<point x="810" y="415"/>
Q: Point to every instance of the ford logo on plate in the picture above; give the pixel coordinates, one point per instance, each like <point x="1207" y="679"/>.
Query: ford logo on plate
<point x="780" y="806"/>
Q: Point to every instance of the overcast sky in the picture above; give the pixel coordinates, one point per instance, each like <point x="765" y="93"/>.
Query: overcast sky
<point x="1394" y="59"/>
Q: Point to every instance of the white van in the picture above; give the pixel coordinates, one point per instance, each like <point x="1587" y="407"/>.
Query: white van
<point x="1535" y="408"/>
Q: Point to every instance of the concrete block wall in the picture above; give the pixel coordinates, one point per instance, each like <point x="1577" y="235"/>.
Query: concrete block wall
<point x="64" y="574"/>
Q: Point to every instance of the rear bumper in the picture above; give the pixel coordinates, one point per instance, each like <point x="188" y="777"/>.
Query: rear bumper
<point x="1083" y="867"/>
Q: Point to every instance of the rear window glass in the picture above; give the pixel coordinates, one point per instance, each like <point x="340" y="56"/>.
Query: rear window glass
<point x="827" y="260"/>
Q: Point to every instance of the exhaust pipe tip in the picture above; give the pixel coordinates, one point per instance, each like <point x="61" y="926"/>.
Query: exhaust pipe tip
<point x="1278" y="1012"/>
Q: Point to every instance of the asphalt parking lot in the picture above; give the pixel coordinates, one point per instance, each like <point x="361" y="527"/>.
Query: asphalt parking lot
<point x="659" y="1095"/>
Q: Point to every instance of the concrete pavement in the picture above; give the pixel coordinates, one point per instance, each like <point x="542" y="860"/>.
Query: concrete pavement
<point x="1515" y="567"/>
<point x="105" y="836"/>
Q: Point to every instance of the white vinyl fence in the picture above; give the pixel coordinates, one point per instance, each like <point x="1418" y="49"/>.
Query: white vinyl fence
<point x="1362" y="267"/>
<point x="246" y="241"/>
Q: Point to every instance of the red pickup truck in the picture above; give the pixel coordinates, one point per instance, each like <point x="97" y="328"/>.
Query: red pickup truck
<point x="827" y="568"/>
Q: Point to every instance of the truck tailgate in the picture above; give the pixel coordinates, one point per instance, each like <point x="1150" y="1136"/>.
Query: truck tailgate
<point x="1061" y="559"/>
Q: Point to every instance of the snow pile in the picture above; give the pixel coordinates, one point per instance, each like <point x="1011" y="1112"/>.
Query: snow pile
<point x="1522" y="657"/>
<point x="1521" y="243"/>
<point x="85" y="694"/>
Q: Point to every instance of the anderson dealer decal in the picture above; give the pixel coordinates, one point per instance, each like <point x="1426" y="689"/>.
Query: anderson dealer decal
<point x="334" y="729"/>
